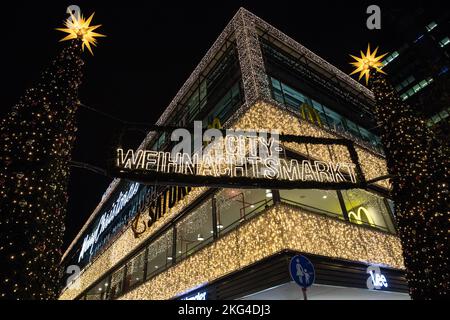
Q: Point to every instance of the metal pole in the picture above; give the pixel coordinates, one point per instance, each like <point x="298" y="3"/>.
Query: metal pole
<point x="305" y="297"/>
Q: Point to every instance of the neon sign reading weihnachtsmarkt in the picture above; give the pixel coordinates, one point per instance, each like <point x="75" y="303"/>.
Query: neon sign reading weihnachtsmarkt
<point x="248" y="167"/>
<point x="244" y="158"/>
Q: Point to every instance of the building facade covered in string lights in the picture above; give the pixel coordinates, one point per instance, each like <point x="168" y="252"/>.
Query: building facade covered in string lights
<point x="178" y="242"/>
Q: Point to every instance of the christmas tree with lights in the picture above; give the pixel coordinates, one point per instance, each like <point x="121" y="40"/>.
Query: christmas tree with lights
<point x="36" y="140"/>
<point x="420" y="185"/>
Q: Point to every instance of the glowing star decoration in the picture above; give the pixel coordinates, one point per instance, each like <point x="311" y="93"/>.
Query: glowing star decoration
<point x="366" y="62"/>
<point x="79" y="28"/>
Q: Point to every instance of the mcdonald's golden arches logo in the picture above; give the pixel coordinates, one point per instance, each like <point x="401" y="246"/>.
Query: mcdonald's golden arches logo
<point x="310" y="114"/>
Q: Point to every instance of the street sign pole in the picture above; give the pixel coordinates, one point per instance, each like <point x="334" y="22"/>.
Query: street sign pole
<point x="302" y="272"/>
<point x="305" y="297"/>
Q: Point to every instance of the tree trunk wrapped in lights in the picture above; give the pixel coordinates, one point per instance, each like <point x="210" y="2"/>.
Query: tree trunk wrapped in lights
<point x="420" y="191"/>
<point x="36" y="141"/>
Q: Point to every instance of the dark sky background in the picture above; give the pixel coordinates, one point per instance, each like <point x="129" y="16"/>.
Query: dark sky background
<point x="151" y="49"/>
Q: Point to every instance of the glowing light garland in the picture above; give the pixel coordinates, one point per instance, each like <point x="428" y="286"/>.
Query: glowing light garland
<point x="262" y="116"/>
<point x="235" y="166"/>
<point x="273" y="231"/>
<point x="259" y="115"/>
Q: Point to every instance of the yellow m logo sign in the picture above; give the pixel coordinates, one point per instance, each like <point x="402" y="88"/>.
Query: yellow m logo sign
<point x="362" y="216"/>
<point x="310" y="114"/>
<point x="215" y="124"/>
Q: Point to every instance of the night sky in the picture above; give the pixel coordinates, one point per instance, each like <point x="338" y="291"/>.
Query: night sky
<point x="151" y="49"/>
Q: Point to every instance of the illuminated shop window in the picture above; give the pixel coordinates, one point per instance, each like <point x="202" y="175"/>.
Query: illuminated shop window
<point x="159" y="254"/>
<point x="135" y="271"/>
<point x="368" y="209"/>
<point x="99" y="292"/>
<point x="320" y="201"/>
<point x="116" y="287"/>
<point x="194" y="231"/>
<point x="235" y="205"/>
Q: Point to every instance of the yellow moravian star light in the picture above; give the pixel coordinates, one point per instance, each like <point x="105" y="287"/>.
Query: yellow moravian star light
<point x="367" y="61"/>
<point x="79" y="28"/>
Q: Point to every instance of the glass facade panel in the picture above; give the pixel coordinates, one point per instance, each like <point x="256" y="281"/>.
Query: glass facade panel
<point x="224" y="106"/>
<point x="235" y="205"/>
<point x="367" y="208"/>
<point x="159" y="254"/>
<point x="116" y="287"/>
<point x="135" y="271"/>
<point x="335" y="120"/>
<point x="294" y="99"/>
<point x="194" y="231"/>
<point x="99" y="292"/>
<point x="352" y="128"/>
<point x="321" y="201"/>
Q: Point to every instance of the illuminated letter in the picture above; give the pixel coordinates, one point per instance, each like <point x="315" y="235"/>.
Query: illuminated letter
<point x="323" y="171"/>
<point x="308" y="173"/>
<point x="289" y="172"/>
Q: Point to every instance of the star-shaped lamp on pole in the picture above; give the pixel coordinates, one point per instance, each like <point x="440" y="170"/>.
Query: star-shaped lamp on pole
<point x="78" y="27"/>
<point x="367" y="62"/>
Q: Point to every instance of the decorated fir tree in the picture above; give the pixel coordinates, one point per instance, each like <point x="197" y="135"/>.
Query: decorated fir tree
<point x="36" y="140"/>
<point x="420" y="185"/>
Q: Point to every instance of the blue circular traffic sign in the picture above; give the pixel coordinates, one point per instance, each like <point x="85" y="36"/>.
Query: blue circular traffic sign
<point x="302" y="271"/>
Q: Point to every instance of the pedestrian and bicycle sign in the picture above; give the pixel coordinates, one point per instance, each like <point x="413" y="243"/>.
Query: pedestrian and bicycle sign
<point x="302" y="272"/>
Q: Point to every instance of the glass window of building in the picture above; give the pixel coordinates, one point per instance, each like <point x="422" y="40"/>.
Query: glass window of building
<point x="369" y="137"/>
<point x="320" y="111"/>
<point x="276" y="89"/>
<point x="161" y="140"/>
<point x="135" y="271"/>
<point x="444" y="42"/>
<point x="235" y="205"/>
<point x="320" y="201"/>
<point x="294" y="100"/>
<point x="352" y="128"/>
<point x="291" y="97"/>
<point x="197" y="100"/>
<point x="390" y="58"/>
<point x="116" y="286"/>
<point x="367" y="208"/>
<point x="335" y="120"/>
<point x="100" y="291"/>
<point x="431" y="26"/>
<point x="194" y="231"/>
<point x="159" y="254"/>
<point x="391" y="206"/>
<point x="225" y="105"/>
